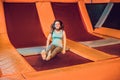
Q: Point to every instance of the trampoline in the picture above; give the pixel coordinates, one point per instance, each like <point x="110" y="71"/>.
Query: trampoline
<point x="22" y="26"/>
<point x="59" y="61"/>
<point x="111" y="49"/>
<point x="32" y="35"/>
<point x="74" y="26"/>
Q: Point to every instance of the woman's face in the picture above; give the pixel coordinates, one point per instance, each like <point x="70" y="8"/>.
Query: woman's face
<point x="57" y="25"/>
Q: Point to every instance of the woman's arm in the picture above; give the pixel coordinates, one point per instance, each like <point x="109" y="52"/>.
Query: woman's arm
<point x="64" y="42"/>
<point x="48" y="40"/>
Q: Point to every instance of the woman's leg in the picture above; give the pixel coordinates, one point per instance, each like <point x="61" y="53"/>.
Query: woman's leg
<point x="53" y="53"/>
<point x="50" y="49"/>
<point x="44" y="53"/>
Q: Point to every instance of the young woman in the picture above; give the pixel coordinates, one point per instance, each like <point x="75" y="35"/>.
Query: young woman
<point x="58" y="43"/>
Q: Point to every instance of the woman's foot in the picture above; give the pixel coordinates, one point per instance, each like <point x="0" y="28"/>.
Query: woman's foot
<point x="48" y="56"/>
<point x="43" y="54"/>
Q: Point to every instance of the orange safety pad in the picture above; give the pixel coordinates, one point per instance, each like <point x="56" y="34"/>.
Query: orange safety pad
<point x="86" y="18"/>
<point x="10" y="60"/>
<point x="2" y="19"/>
<point x="64" y="1"/>
<point x="18" y="1"/>
<point x="12" y="77"/>
<point x="96" y="1"/>
<point x="24" y="1"/>
<point x="12" y="63"/>
<point x="108" y="32"/>
<point x="116" y="1"/>
<point x="102" y="70"/>
<point x="88" y="52"/>
<point x="100" y="1"/>
<point x="87" y="1"/>
<point x="46" y="16"/>
<point x="0" y="73"/>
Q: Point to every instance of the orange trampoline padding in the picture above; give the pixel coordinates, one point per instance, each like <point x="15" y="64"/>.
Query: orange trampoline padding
<point x="0" y="73"/>
<point x="74" y="26"/>
<point x="60" y="60"/>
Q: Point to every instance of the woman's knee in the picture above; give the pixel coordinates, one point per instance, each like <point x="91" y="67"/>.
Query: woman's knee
<point x="56" y="51"/>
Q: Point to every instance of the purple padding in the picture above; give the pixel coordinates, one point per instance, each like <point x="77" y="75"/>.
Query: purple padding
<point x="74" y="26"/>
<point x="111" y="49"/>
<point x="58" y="61"/>
<point x="23" y="25"/>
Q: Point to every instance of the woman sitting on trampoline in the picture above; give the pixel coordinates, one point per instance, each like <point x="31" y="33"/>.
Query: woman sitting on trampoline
<point x="58" y="43"/>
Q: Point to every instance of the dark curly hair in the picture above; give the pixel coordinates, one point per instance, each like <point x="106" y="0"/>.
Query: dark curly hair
<point x="53" y="25"/>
